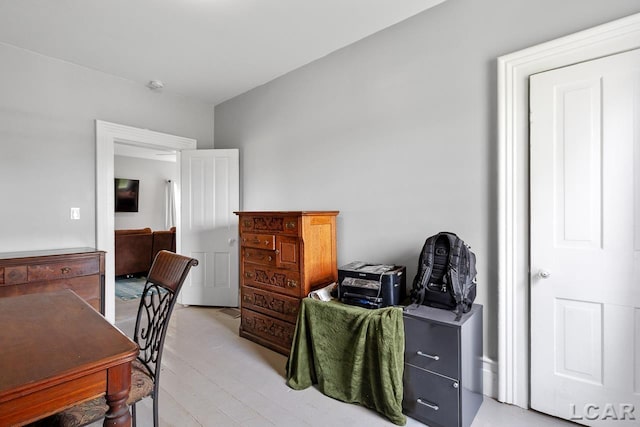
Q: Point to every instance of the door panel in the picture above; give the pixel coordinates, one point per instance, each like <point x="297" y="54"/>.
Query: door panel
<point x="585" y="266"/>
<point x="287" y="252"/>
<point x="577" y="165"/>
<point x="578" y="340"/>
<point x="210" y="195"/>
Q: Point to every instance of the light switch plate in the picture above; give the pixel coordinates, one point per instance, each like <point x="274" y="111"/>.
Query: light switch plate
<point x="75" y="213"/>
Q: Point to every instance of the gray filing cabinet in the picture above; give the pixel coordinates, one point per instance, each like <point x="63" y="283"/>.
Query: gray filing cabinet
<point x="443" y="365"/>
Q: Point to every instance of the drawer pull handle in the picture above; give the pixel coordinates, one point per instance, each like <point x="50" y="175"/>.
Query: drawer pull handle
<point x="289" y="225"/>
<point x="65" y="270"/>
<point x="248" y="275"/>
<point x="247" y="223"/>
<point x="270" y="258"/>
<point x="292" y="283"/>
<point x="266" y="243"/>
<point x="430" y="356"/>
<point x="428" y="405"/>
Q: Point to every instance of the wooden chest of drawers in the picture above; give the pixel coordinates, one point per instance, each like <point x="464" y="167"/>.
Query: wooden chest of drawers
<point x="283" y="257"/>
<point x="78" y="269"/>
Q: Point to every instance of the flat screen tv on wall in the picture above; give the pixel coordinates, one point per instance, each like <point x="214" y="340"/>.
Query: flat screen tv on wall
<point x="126" y="191"/>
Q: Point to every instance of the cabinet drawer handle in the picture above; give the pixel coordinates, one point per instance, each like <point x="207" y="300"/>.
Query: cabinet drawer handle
<point x="269" y="258"/>
<point x="430" y="356"/>
<point x="266" y="243"/>
<point x="248" y="275"/>
<point x="289" y="225"/>
<point x="65" y="270"/>
<point x="428" y="405"/>
<point x="247" y="223"/>
<point x="292" y="283"/>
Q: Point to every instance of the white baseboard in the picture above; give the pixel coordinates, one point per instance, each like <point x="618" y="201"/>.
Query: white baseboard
<point x="490" y="377"/>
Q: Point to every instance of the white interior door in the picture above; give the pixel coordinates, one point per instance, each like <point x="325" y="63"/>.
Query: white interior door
<point x="210" y="193"/>
<point x="585" y="241"/>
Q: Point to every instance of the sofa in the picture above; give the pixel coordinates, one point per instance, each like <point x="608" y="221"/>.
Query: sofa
<point x="135" y="249"/>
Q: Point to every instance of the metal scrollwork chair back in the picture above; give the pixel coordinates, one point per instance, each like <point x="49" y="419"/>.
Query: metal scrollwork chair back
<point x="166" y="276"/>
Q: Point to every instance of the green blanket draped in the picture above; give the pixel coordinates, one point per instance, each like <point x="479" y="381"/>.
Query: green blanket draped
<point x="354" y="354"/>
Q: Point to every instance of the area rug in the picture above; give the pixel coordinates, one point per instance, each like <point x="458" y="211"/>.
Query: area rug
<point x="128" y="289"/>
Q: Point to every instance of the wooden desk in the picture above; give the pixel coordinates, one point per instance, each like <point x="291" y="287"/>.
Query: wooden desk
<point x="57" y="351"/>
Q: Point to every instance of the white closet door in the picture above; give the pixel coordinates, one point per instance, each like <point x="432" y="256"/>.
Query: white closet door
<point x="585" y="241"/>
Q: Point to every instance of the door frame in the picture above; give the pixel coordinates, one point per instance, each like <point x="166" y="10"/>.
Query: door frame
<point x="107" y="134"/>
<point x="513" y="184"/>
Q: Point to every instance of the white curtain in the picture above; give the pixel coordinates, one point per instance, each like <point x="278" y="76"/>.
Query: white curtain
<point x="170" y="205"/>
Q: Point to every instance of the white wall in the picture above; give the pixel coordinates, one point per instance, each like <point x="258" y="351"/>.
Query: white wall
<point x="153" y="176"/>
<point x="48" y="110"/>
<point x="398" y="131"/>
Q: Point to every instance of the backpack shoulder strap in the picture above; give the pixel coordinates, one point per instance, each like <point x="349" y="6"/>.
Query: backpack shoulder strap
<point x="454" y="272"/>
<point x="425" y="266"/>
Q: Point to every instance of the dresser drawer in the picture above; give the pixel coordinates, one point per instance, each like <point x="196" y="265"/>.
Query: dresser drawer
<point x="432" y="346"/>
<point x="260" y="241"/>
<point x="276" y="305"/>
<point x="64" y="269"/>
<point x="260" y="256"/>
<point x="274" y="333"/>
<point x="13" y="275"/>
<point x="282" y="281"/>
<point x="430" y="398"/>
<point x="269" y="224"/>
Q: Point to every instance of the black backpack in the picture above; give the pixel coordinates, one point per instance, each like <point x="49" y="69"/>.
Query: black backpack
<point x="446" y="276"/>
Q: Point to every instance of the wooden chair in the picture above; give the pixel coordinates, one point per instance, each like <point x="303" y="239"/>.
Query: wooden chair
<point x="165" y="278"/>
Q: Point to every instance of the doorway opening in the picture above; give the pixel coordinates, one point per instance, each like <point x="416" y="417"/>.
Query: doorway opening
<point x="144" y="220"/>
<point x="107" y="136"/>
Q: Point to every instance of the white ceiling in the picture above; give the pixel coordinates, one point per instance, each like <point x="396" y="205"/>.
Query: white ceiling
<point x="211" y="50"/>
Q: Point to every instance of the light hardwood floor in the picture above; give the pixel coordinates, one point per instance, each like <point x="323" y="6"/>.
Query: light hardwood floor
<point x="212" y="377"/>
